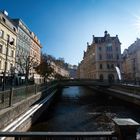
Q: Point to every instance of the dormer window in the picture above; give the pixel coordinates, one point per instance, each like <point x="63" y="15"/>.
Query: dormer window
<point x="3" y="19"/>
<point x="14" y="29"/>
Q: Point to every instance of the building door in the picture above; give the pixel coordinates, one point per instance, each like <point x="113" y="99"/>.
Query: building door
<point x="110" y="78"/>
<point x="101" y="77"/>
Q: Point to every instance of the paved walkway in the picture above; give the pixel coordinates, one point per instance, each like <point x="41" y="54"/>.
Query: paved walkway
<point x="125" y="93"/>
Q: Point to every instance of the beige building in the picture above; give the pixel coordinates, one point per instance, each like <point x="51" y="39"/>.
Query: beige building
<point x="35" y="55"/>
<point x="28" y="51"/>
<point x="101" y="58"/>
<point x="8" y="34"/>
<point x="131" y="62"/>
<point x="60" y="70"/>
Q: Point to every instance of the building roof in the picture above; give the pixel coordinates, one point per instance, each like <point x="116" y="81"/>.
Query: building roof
<point x="103" y="39"/>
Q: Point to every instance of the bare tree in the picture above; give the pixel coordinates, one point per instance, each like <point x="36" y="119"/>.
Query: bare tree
<point x="25" y="65"/>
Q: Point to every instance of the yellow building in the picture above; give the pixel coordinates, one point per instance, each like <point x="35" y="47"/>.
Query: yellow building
<point x="8" y="33"/>
<point x="59" y="70"/>
<point x="35" y="55"/>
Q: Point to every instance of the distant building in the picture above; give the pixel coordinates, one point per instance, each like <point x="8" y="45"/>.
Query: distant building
<point x="72" y="71"/>
<point x="58" y="70"/>
<point x="101" y="58"/>
<point x="131" y="61"/>
<point x="8" y="37"/>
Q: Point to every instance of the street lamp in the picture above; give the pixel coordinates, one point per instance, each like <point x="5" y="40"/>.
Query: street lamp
<point x="5" y="67"/>
<point x="12" y="72"/>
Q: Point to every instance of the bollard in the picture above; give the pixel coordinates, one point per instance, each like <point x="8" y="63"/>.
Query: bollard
<point x="10" y="96"/>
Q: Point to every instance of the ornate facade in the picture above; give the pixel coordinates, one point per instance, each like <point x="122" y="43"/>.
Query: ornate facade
<point x="8" y="36"/>
<point x="131" y="61"/>
<point x="101" y="58"/>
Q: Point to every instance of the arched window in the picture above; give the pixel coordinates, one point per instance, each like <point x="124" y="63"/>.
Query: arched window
<point x="101" y="66"/>
<point x="112" y="66"/>
<point x="111" y="78"/>
<point x="101" y="77"/>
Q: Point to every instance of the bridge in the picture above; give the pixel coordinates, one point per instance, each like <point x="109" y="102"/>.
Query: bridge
<point x="83" y="82"/>
<point x="31" y="106"/>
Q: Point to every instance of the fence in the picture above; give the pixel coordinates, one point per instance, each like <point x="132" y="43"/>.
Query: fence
<point x="103" y="135"/>
<point x="14" y="95"/>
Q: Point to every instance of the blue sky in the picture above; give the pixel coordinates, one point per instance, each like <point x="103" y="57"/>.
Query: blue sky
<point x="65" y="26"/>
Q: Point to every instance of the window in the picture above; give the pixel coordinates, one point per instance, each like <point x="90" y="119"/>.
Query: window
<point x="0" y="48"/>
<point x="112" y="66"/>
<point x="101" y="77"/>
<point x="109" y="56"/>
<point x="11" y="65"/>
<point x="108" y="66"/>
<point x="117" y="56"/>
<point x="3" y="19"/>
<point x="101" y="66"/>
<point x="8" y="37"/>
<point x="100" y="48"/>
<point x="14" y="29"/>
<point x="1" y="33"/>
<point x="0" y="65"/>
<point x="109" y="47"/>
<point x="12" y="53"/>
<point x="13" y="40"/>
<point x="100" y="57"/>
<point x="118" y="65"/>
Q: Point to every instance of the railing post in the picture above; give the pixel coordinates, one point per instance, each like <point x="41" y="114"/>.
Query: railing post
<point x="17" y="138"/>
<point x="3" y="97"/>
<point x="10" y="96"/>
<point x="35" y="88"/>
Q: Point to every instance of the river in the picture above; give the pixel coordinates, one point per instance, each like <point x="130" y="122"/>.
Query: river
<point x="83" y="109"/>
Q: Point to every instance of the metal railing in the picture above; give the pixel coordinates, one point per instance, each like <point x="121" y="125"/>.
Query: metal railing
<point x="99" y="135"/>
<point x="14" y="95"/>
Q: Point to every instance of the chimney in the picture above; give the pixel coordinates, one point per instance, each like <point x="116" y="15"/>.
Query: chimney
<point x="93" y="41"/>
<point x="105" y="33"/>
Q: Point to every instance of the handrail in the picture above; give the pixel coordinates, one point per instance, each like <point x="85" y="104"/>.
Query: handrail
<point x="58" y="134"/>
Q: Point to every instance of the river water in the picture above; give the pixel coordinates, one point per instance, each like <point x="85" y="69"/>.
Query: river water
<point x="82" y="109"/>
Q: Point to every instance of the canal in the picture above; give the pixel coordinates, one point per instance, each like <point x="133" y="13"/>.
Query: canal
<point x="83" y="109"/>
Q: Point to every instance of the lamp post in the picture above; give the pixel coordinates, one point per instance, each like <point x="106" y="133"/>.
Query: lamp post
<point x="5" y="66"/>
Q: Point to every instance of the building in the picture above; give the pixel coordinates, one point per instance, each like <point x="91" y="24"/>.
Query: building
<point x="8" y="37"/>
<point x="72" y="71"/>
<point x="28" y="51"/>
<point x="35" y="55"/>
<point x="101" y="58"/>
<point x="131" y="62"/>
<point x="60" y="71"/>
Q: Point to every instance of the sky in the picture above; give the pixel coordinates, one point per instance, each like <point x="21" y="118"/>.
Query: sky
<point x="65" y="26"/>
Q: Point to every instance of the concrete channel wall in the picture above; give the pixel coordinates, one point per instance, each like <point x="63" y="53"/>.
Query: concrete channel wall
<point x="21" y="115"/>
<point x="123" y="95"/>
<point x="126" y="96"/>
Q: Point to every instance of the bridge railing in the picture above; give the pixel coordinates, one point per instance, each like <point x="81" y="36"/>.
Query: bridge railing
<point x="103" y="135"/>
